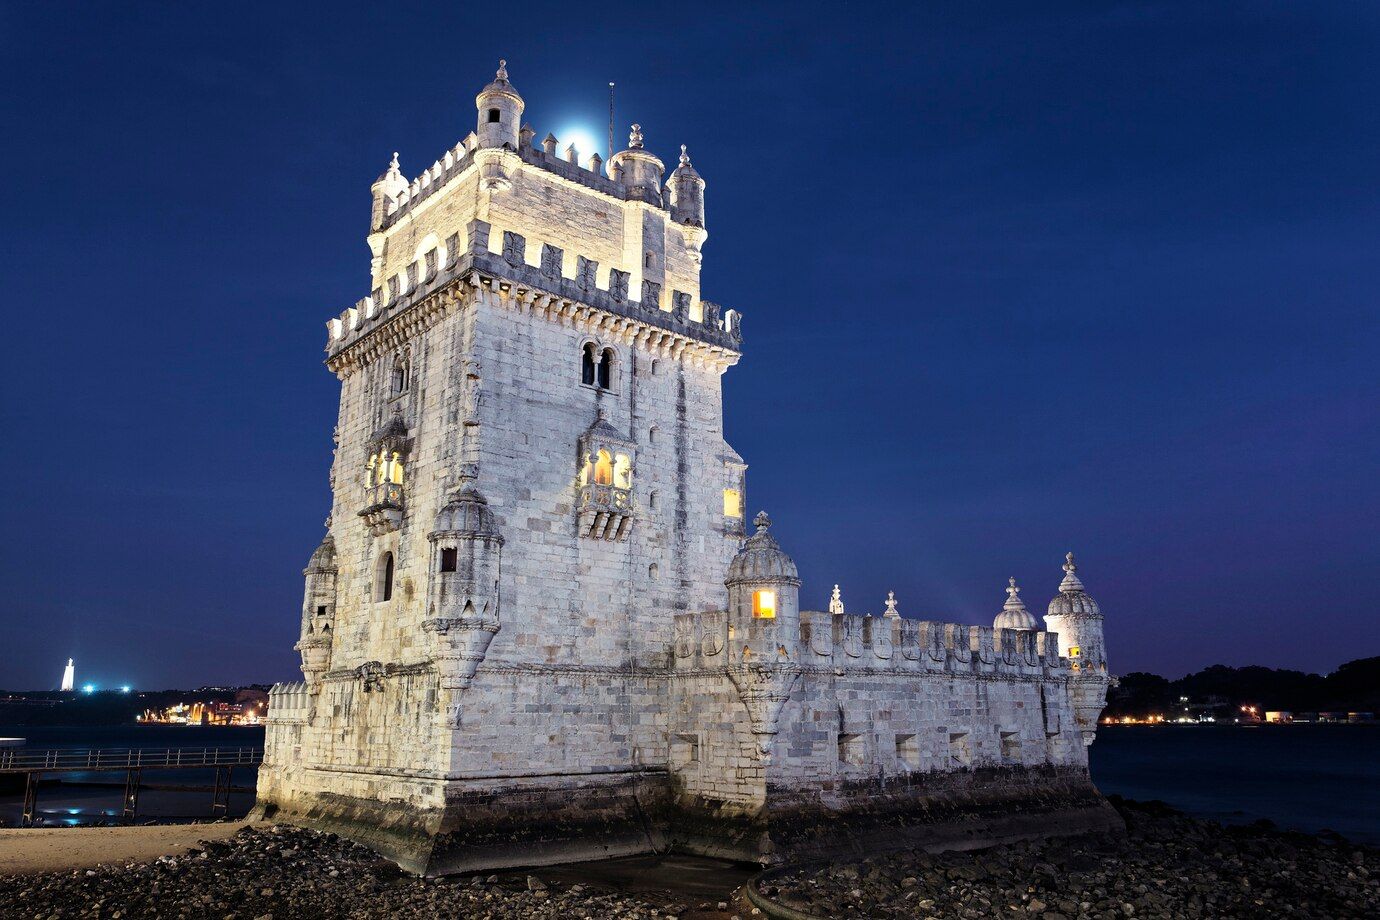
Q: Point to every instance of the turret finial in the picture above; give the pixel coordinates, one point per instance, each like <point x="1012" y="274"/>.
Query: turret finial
<point x="762" y="522"/>
<point x="502" y="70"/>
<point x="1071" y="580"/>
<point x="1013" y="594"/>
<point x="635" y="138"/>
<point x="836" y="602"/>
<point x="684" y="157"/>
<point x="393" y="163"/>
<point x="891" y="610"/>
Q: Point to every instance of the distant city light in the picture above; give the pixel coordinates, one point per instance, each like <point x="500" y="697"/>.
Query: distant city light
<point x="124" y="688"/>
<point x="88" y="688"/>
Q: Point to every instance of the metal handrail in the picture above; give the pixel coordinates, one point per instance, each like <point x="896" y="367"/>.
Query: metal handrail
<point x="23" y="760"/>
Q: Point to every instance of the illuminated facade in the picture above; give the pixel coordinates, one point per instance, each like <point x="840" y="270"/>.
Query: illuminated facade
<point x="537" y="630"/>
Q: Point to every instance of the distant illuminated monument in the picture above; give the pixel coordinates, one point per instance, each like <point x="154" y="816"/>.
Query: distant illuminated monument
<point x="69" y="676"/>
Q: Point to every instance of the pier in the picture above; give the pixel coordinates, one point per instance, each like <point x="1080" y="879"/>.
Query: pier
<point x="35" y="764"/>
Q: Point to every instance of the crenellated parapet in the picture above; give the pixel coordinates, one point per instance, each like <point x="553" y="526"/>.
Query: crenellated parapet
<point x="289" y="703"/>
<point x="841" y="644"/>
<point x="416" y="296"/>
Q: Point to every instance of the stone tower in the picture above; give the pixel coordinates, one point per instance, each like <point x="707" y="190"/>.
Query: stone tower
<point x="536" y="631"/>
<point x="530" y="481"/>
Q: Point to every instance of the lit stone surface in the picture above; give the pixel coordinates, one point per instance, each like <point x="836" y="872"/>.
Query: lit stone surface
<point x="534" y="631"/>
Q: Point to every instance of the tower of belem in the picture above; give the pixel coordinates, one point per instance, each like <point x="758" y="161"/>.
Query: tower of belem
<point x="538" y="630"/>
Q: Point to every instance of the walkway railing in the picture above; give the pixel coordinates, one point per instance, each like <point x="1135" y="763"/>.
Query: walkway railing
<point x="25" y="760"/>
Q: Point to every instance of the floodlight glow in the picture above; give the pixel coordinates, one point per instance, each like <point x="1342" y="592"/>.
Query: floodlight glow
<point x="88" y="688"/>
<point x="125" y="688"/>
<point x="584" y="142"/>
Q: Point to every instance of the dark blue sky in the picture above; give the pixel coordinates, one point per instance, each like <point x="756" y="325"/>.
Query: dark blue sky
<point x="1018" y="279"/>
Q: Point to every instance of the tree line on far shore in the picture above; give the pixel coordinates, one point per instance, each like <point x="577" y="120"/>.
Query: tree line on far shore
<point x="1222" y="691"/>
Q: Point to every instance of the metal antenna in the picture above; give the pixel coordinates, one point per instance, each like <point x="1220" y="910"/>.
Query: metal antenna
<point x="610" y="119"/>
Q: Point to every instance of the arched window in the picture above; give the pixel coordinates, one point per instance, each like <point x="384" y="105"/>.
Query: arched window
<point x="587" y="365"/>
<point x="603" y="469"/>
<point x="383" y="581"/>
<point x="400" y="377"/>
<point x="622" y="471"/>
<point x="605" y="369"/>
<point x="653" y="571"/>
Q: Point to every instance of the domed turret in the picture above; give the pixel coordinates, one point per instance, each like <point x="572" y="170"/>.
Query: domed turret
<point x="1013" y="614"/>
<point x="500" y="112"/>
<point x="318" y="612"/>
<point x="1078" y="620"/>
<point x="462" y="590"/>
<point x="639" y="170"/>
<point x="761" y="558"/>
<point x="386" y="188"/>
<point x="466" y="514"/>
<point x="687" y="193"/>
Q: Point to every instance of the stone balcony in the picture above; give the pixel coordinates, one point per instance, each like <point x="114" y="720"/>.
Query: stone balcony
<point x="606" y="512"/>
<point x="384" y="512"/>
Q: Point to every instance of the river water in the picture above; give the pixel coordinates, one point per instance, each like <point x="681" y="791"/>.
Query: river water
<point x="1307" y="777"/>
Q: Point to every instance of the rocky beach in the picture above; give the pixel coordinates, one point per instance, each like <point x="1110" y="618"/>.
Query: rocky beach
<point x="1168" y="866"/>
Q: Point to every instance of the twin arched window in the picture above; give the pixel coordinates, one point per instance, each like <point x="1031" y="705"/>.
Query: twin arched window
<point x="596" y="367"/>
<point x="401" y="377"/>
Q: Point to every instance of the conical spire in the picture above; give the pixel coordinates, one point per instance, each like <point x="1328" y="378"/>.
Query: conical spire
<point x="1071" y="581"/>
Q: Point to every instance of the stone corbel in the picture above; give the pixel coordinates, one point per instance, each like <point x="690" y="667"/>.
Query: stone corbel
<point x="764" y="689"/>
<point x="462" y="644"/>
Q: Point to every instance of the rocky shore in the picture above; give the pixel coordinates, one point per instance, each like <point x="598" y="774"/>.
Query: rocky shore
<point x="285" y="873"/>
<point x="1168" y="866"/>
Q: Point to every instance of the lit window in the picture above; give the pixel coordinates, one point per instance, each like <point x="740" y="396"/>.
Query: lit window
<point x="1075" y="651"/>
<point x="764" y="604"/>
<point x="733" y="503"/>
<point x="603" y="469"/>
<point x="622" y="472"/>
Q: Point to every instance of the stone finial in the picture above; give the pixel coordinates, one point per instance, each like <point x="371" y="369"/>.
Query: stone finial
<point x="1013" y="595"/>
<point x="572" y="155"/>
<point x="549" y="144"/>
<point x="595" y="162"/>
<point x="393" y="166"/>
<point x="891" y="610"/>
<point x="684" y="157"/>
<point x="635" y="138"/>
<point x="1071" y="580"/>
<point x="502" y="71"/>
<point x="761" y="522"/>
<point x="836" y="602"/>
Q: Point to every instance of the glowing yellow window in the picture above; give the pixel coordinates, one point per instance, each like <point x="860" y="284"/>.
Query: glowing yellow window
<point x="1075" y="651"/>
<point x="764" y="604"/>
<point x="733" y="503"/>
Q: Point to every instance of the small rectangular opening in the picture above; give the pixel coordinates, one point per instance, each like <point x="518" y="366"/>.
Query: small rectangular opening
<point x="448" y="556"/>
<point x="960" y="755"/>
<point x="321" y="611"/>
<point x="733" y="503"/>
<point x="764" y="604"/>
<point x="685" y="749"/>
<point x="908" y="752"/>
<point x="493" y="116"/>
<point x="1010" y="746"/>
<point x="851" y="749"/>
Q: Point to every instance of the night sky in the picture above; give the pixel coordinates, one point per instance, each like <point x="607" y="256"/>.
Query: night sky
<point x="1017" y="279"/>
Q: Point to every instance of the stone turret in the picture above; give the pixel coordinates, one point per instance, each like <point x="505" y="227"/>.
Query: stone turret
<point x="1013" y="614"/>
<point x="387" y="187"/>
<point x="462" y="591"/>
<point x="318" y="612"/>
<point x="500" y="112"/>
<point x="639" y="170"/>
<point x="687" y="193"/>
<point x="763" y="628"/>
<point x="1075" y="616"/>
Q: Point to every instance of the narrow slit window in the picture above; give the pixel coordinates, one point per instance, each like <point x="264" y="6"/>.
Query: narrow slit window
<point x="448" y="557"/>
<point x="605" y="369"/>
<point x="587" y="365"/>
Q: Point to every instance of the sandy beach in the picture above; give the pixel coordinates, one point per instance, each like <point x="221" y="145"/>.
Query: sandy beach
<point x="26" y="851"/>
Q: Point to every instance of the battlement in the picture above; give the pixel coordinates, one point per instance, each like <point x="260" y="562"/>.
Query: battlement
<point x="450" y="261"/>
<point x="455" y="161"/>
<point x="289" y="703"/>
<point x="844" y="642"/>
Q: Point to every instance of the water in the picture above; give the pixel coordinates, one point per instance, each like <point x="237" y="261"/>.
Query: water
<point x="1307" y="777"/>
<point x="88" y="797"/>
